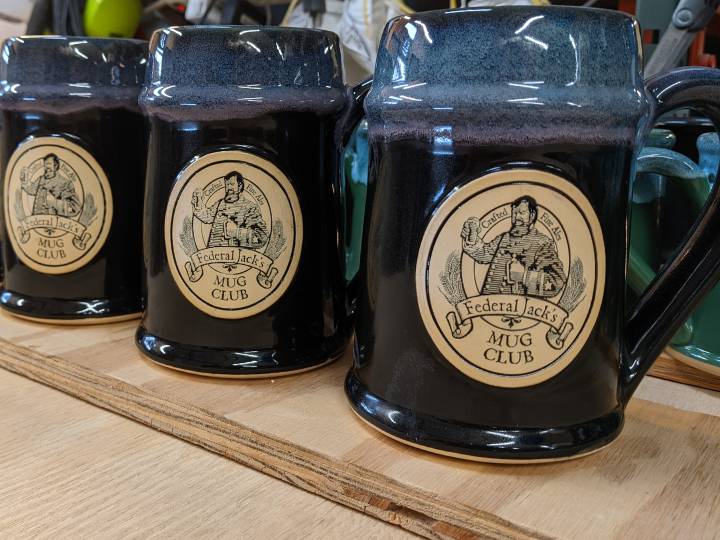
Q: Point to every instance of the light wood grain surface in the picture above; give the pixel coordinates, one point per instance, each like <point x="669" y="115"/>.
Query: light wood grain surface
<point x="673" y="370"/>
<point x="71" y="470"/>
<point x="659" y="480"/>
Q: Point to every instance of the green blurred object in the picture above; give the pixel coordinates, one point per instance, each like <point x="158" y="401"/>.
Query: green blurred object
<point x="661" y="138"/>
<point x="112" y="18"/>
<point x="354" y="188"/>
<point x="671" y="184"/>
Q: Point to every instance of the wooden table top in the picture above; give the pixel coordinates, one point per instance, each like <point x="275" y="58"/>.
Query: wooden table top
<point x="658" y="480"/>
<point x="72" y="470"/>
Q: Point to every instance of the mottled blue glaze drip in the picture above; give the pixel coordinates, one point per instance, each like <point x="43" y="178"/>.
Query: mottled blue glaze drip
<point x="561" y="74"/>
<point x="708" y="146"/>
<point x="220" y="72"/>
<point x="67" y="74"/>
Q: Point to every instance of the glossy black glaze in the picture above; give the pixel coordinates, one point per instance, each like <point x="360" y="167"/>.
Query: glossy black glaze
<point x="110" y="284"/>
<point x="85" y="90"/>
<point x="400" y="382"/>
<point x="464" y="438"/>
<point x="309" y="324"/>
<point x="413" y="376"/>
<point x="278" y="95"/>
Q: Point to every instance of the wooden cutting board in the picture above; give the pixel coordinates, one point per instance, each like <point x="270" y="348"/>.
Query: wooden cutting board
<point x="72" y="471"/>
<point x="658" y="480"/>
<point x="668" y="368"/>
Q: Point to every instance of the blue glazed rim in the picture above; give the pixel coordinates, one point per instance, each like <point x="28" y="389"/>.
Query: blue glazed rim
<point x="71" y="72"/>
<point x="217" y="72"/>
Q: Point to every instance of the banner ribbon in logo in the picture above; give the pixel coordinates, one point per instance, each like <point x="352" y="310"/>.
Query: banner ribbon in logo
<point x="230" y="255"/>
<point x="513" y="307"/>
<point x="57" y="223"/>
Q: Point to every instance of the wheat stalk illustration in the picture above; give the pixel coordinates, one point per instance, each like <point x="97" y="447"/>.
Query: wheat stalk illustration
<point x="576" y="283"/>
<point x="19" y="209"/>
<point x="88" y="212"/>
<point x="276" y="243"/>
<point x="186" y="237"/>
<point x="451" y="279"/>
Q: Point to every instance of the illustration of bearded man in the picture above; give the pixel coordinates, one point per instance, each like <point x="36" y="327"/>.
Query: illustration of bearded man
<point x="236" y="220"/>
<point x="54" y="193"/>
<point x="522" y="260"/>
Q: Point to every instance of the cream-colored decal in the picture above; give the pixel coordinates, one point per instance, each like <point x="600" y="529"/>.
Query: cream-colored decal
<point x="58" y="205"/>
<point x="510" y="276"/>
<point x="233" y="233"/>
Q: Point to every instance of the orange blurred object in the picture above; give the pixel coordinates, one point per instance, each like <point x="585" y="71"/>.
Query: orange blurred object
<point x="698" y="56"/>
<point x="628" y="6"/>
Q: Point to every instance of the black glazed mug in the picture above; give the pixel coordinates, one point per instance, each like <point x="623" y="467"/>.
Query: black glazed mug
<point x="244" y="226"/>
<point x="73" y="156"/>
<point x="492" y="320"/>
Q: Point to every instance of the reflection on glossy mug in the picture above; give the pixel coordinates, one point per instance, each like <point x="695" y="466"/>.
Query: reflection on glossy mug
<point x="668" y="185"/>
<point x="73" y="154"/>
<point x="491" y="323"/>
<point x="243" y="225"/>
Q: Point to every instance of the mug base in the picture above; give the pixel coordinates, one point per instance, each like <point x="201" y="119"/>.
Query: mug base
<point x="244" y="375"/>
<point x="69" y="312"/>
<point x="478" y="443"/>
<point x="222" y="363"/>
<point x="684" y="354"/>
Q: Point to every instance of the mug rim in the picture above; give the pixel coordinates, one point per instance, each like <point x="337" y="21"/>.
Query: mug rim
<point x="422" y="79"/>
<point x="209" y="72"/>
<point x="37" y="72"/>
<point x="218" y="28"/>
<point x="50" y="38"/>
<point x="529" y="8"/>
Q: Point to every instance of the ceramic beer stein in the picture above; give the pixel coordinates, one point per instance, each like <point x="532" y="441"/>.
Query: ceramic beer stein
<point x="492" y="319"/>
<point x="243" y="222"/>
<point x="73" y="158"/>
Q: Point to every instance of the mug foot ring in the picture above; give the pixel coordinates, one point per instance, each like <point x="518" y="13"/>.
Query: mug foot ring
<point x="222" y="363"/>
<point x="478" y="443"/>
<point x="69" y="312"/>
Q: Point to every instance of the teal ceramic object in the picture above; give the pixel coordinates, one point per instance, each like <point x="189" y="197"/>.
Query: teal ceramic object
<point x="708" y="147"/>
<point x="661" y="138"/>
<point x="355" y="170"/>
<point x="698" y="341"/>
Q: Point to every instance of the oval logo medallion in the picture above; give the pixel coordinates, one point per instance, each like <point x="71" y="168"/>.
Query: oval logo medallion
<point x="510" y="276"/>
<point x="58" y="205"/>
<point x="233" y="233"/>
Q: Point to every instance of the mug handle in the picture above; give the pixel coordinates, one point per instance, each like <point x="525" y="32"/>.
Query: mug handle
<point x="695" y="269"/>
<point x="694" y="182"/>
<point x="351" y="215"/>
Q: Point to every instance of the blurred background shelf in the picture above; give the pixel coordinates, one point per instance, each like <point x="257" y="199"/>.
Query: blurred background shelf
<point x="659" y="479"/>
